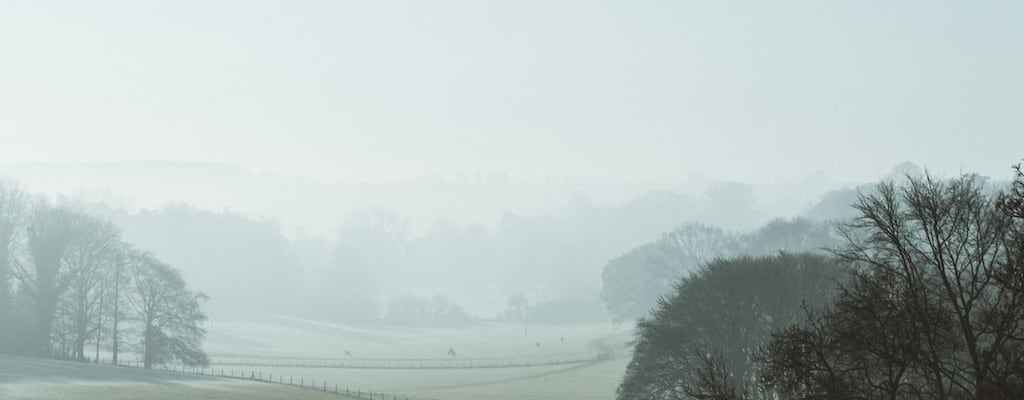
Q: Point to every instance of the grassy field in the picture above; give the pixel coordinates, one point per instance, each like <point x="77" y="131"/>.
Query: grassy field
<point x="565" y="362"/>
<point x="282" y="337"/>
<point x="269" y="346"/>
<point x="85" y="390"/>
<point x="596" y="380"/>
<point x="30" y="378"/>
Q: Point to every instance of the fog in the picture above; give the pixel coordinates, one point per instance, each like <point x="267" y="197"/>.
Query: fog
<point x="463" y="239"/>
<point x="465" y="199"/>
<point x="405" y="90"/>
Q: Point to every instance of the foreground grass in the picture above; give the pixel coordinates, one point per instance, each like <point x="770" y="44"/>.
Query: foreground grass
<point x="82" y="390"/>
<point x="594" y="380"/>
<point x="32" y="378"/>
<point x="28" y="378"/>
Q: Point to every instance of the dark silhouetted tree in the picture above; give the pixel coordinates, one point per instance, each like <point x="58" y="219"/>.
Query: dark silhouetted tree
<point x="932" y="311"/>
<point x="702" y="341"/>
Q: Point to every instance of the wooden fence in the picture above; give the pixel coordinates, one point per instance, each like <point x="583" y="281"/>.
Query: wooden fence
<point x="300" y="382"/>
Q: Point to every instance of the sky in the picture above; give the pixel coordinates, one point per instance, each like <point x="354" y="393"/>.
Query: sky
<point x="593" y="90"/>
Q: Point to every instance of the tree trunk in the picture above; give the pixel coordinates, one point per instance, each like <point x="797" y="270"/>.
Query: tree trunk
<point x="148" y="346"/>
<point x="5" y="293"/>
<point x="117" y="303"/>
<point x="46" y="303"/>
<point x="99" y="324"/>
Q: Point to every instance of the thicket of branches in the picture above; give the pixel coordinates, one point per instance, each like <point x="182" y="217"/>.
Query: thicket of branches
<point x="931" y="306"/>
<point x="70" y="288"/>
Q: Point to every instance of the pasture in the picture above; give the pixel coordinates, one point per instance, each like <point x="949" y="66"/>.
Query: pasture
<point x="44" y="379"/>
<point x="494" y="360"/>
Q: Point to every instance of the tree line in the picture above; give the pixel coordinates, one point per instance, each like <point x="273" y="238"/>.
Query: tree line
<point x="71" y="288"/>
<point x="634" y="281"/>
<point x="922" y="298"/>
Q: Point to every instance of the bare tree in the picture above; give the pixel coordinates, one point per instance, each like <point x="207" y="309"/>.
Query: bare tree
<point x="88" y="265"/>
<point x="169" y="314"/>
<point x="51" y="232"/>
<point x="945" y="241"/>
<point x="933" y="311"/>
<point x="1013" y="202"/>
<point x="380" y="222"/>
<point x="712" y="380"/>
<point x="694" y="244"/>
<point x="857" y="349"/>
<point x="634" y="281"/>
<point x="13" y="209"/>
<point x="118" y="280"/>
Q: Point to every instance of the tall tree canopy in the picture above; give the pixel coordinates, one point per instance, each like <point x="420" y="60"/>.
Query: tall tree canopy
<point x="935" y="309"/>
<point x="701" y="340"/>
<point x="67" y="279"/>
<point x="168" y="313"/>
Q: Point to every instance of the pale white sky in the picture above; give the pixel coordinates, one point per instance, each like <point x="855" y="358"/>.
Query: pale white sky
<point x="599" y="90"/>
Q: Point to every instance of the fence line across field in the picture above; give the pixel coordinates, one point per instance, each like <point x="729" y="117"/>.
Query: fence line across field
<point x="300" y="382"/>
<point x="223" y="369"/>
<point x="398" y="363"/>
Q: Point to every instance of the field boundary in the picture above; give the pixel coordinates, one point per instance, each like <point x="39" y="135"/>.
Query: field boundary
<point x="398" y="363"/>
<point x="298" y="382"/>
<point x="252" y="375"/>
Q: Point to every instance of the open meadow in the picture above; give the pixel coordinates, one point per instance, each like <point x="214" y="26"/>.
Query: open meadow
<point x="44" y="379"/>
<point x="492" y="360"/>
<point x="286" y="358"/>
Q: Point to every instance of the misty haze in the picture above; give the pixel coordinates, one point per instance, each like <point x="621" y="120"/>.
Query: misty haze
<point x="472" y="200"/>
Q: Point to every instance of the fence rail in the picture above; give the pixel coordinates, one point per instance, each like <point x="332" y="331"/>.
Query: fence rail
<point x="224" y="367"/>
<point x="399" y="363"/>
<point x="299" y="382"/>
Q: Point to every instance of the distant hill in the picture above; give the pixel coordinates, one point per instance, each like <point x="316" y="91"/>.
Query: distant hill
<point x="318" y="207"/>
